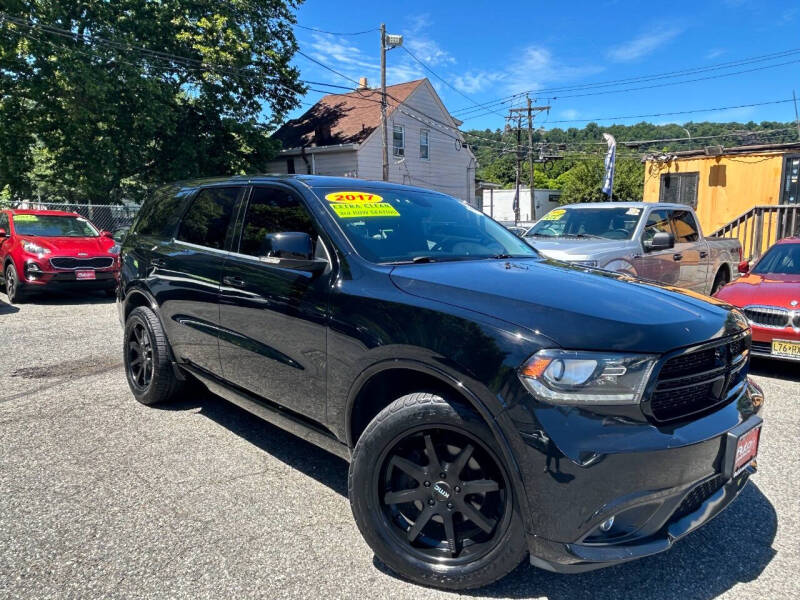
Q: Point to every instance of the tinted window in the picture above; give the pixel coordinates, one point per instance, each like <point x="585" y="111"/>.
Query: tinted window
<point x="4" y="222"/>
<point x="685" y="227"/>
<point x="272" y="210"/>
<point x="159" y="215"/>
<point x="206" y="222"/>
<point x="53" y="226"/>
<point x="391" y="225"/>
<point x="657" y="221"/>
<point x="783" y="258"/>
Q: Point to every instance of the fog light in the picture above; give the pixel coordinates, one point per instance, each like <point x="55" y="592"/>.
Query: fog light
<point x="606" y="526"/>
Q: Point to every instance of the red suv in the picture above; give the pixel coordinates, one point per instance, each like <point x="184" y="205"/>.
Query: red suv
<point x="47" y="249"/>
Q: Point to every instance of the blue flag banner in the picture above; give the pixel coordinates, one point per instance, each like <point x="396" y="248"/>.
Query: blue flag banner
<point x="611" y="158"/>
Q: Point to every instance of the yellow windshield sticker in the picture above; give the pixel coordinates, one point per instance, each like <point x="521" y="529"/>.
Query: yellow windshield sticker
<point x="363" y="209"/>
<point x="554" y="215"/>
<point x="25" y="218"/>
<point x="352" y="197"/>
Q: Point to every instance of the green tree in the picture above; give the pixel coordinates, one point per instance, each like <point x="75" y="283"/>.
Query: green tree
<point x="138" y="92"/>
<point x="584" y="181"/>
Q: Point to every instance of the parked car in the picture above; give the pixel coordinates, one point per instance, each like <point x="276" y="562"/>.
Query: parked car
<point x="661" y="242"/>
<point x="46" y="249"/>
<point x="516" y="230"/>
<point x="769" y="294"/>
<point x="491" y="403"/>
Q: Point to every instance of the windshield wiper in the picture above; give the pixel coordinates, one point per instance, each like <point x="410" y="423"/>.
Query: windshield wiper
<point x="587" y="236"/>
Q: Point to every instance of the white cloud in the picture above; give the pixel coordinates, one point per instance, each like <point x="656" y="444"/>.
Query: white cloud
<point x="476" y="81"/>
<point x="570" y="113"/>
<point x="643" y="44"/>
<point x="419" y="22"/>
<point x="715" y="53"/>
<point x="429" y="52"/>
<point x="536" y="67"/>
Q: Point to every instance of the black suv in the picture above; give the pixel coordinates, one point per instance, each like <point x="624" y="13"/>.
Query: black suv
<point x="492" y="403"/>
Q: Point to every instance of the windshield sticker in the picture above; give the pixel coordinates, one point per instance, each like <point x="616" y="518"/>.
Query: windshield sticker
<point x="359" y="210"/>
<point x="554" y="215"/>
<point x="633" y="211"/>
<point x="25" y="218"/>
<point x="353" y="197"/>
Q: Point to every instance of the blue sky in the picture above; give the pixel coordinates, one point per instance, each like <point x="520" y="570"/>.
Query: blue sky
<point x="491" y="50"/>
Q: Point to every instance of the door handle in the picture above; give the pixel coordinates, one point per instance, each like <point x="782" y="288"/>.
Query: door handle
<point x="703" y="254"/>
<point x="677" y="257"/>
<point x="234" y="281"/>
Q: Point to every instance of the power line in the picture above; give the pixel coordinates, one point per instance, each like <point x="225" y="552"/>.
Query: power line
<point x="318" y="30"/>
<point x="653" y="77"/>
<point x="444" y="81"/>
<point x="664" y="114"/>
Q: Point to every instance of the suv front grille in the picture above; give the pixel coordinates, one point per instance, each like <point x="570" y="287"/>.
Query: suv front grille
<point x="768" y="316"/>
<point x="69" y="262"/>
<point x="699" y="380"/>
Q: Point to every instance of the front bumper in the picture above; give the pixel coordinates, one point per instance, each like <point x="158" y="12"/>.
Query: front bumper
<point x="39" y="275"/>
<point x="762" y="341"/>
<point x="659" y="483"/>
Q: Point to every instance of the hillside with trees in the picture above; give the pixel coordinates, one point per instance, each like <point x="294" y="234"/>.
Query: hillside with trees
<point x="573" y="158"/>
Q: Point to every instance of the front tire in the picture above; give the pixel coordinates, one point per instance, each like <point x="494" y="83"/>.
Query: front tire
<point x="147" y="359"/>
<point x="14" y="287"/>
<point x="432" y="497"/>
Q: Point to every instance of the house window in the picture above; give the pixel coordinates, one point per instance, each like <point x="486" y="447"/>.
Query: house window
<point x="424" y="150"/>
<point x="790" y="190"/>
<point x="290" y="166"/>
<point x="679" y="188"/>
<point x="398" y="141"/>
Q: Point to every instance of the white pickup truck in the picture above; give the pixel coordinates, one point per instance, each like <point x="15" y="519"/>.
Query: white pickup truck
<point x="657" y="241"/>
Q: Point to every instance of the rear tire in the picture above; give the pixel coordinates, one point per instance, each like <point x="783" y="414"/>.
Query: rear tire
<point x="14" y="287"/>
<point x="432" y="496"/>
<point x="720" y="281"/>
<point x="146" y="356"/>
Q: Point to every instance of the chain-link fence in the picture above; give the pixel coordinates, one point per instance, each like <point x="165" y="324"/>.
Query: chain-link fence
<point x="104" y="216"/>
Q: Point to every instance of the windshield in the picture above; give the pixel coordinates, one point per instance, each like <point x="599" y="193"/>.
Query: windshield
<point x="783" y="258"/>
<point x="617" y="223"/>
<point x="389" y="226"/>
<point x="53" y="226"/>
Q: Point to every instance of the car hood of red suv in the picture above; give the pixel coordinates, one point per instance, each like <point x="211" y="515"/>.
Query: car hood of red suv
<point x="72" y="246"/>
<point x="769" y="289"/>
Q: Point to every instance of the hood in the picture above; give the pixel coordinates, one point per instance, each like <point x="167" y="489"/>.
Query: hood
<point x="72" y="246"/>
<point x="576" y="249"/>
<point x="578" y="308"/>
<point x="770" y="289"/>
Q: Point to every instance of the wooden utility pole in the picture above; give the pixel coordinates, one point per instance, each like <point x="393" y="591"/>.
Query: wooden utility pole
<point x="384" y="130"/>
<point x="530" y="109"/>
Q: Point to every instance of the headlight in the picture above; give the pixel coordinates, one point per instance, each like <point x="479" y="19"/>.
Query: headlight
<point x="593" y="378"/>
<point x="115" y="249"/>
<point x="34" y="248"/>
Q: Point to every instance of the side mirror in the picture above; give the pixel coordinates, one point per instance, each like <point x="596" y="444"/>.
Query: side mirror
<point x="290" y="244"/>
<point x="744" y="267"/>
<point x="3" y="233"/>
<point x="661" y="241"/>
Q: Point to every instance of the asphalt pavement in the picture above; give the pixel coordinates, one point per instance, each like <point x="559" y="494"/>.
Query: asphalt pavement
<point x="103" y="497"/>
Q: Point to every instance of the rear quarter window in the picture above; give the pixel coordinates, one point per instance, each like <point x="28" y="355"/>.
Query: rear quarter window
<point x="160" y="213"/>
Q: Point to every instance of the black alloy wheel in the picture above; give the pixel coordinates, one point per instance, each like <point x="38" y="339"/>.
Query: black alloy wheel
<point x="147" y="358"/>
<point x="13" y="286"/>
<point x="444" y="495"/>
<point x="140" y="357"/>
<point x="432" y="495"/>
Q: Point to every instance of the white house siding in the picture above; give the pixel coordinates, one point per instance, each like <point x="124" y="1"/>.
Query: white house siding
<point x="446" y="169"/>
<point x="339" y="164"/>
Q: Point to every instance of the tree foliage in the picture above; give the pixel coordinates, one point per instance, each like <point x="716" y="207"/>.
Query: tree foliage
<point x="138" y="93"/>
<point x="574" y="157"/>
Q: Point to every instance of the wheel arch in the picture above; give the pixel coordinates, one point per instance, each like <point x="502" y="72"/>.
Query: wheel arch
<point x="362" y="407"/>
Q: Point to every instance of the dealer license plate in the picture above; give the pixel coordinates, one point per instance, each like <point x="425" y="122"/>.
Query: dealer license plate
<point x="786" y="348"/>
<point x="89" y="274"/>
<point x="746" y="449"/>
